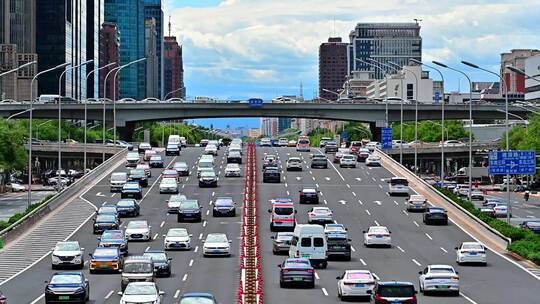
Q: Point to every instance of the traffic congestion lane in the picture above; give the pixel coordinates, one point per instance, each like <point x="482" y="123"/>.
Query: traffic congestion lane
<point x="426" y="250"/>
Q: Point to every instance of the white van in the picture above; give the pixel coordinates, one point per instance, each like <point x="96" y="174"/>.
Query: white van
<point x="309" y="241"/>
<point x="174" y="140"/>
<point x="48" y="98"/>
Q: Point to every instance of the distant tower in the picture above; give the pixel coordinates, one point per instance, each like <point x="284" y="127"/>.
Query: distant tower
<point x="301" y="90"/>
<point x="169" y="25"/>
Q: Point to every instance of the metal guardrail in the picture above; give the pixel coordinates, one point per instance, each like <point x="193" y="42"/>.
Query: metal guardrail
<point x="57" y="200"/>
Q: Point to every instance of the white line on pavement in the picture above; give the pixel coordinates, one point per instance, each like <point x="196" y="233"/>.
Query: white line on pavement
<point x="38" y="299"/>
<point x="317" y="185"/>
<point x="204" y="224"/>
<point x="405" y="212"/>
<point x="196" y="249"/>
<point x="400" y="249"/>
<point x="363" y="262"/>
<point x="467" y="298"/>
<point x="184" y="278"/>
<point x="367" y="211"/>
<point x="353" y="193"/>
<point x="416" y="262"/>
<point x="360" y="202"/>
<point x="429" y="237"/>
<point x="376" y="276"/>
<point x="191" y="263"/>
<point x="416" y="224"/>
<point x="376" y="223"/>
<point x="313" y="177"/>
<point x="200" y="236"/>
<point x="395" y="202"/>
<point x="380" y="186"/>
<point x="286" y="185"/>
<point x="324" y="291"/>
<point x="331" y="164"/>
<point x="155" y="236"/>
<point x="162" y="224"/>
<point x="316" y="276"/>
<point x="377" y="202"/>
<point x="288" y="193"/>
<point x="177" y="294"/>
<point x="444" y="250"/>
<point x="352" y="249"/>
<point x="109" y="294"/>
<point x="147" y="248"/>
<point x="325" y="202"/>
<point x="373" y="178"/>
<point x="207" y="212"/>
<point x="348" y="186"/>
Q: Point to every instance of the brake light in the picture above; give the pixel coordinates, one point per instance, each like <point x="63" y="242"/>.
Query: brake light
<point x="380" y="300"/>
<point x="310" y="270"/>
<point x="284" y="270"/>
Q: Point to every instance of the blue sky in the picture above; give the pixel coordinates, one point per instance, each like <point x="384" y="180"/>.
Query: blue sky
<point x="266" y="48"/>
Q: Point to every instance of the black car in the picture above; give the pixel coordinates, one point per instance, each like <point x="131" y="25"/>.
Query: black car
<point x="271" y="175"/>
<point x="234" y="157"/>
<point x="435" y="215"/>
<point x="182" y="168"/>
<point x="319" y="161"/>
<point x="128" y="207"/>
<point x="67" y="287"/>
<point x="162" y="263"/>
<point x="104" y="222"/>
<point x="131" y="189"/>
<point x="208" y="179"/>
<point x="533" y="226"/>
<point x="296" y="271"/>
<point x="338" y="246"/>
<point x="172" y="149"/>
<point x="138" y="175"/>
<point x="309" y="195"/>
<point x="224" y="206"/>
<point x="189" y="211"/>
<point x="156" y="161"/>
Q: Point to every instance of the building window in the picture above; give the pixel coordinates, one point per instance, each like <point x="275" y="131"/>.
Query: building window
<point x="410" y="91"/>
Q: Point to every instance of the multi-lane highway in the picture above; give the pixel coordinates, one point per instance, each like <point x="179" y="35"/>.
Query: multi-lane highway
<point x="358" y="199"/>
<point x="190" y="271"/>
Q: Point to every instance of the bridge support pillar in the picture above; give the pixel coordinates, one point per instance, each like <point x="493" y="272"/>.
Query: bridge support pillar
<point x="375" y="131"/>
<point x="126" y="132"/>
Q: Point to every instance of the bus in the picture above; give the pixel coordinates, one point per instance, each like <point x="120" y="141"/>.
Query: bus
<point x="303" y="144"/>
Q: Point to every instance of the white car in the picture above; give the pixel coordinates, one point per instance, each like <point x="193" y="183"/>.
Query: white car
<point x="334" y="229"/>
<point x="217" y="244"/>
<point x="294" y="163"/>
<point x="232" y="170"/>
<point x="452" y="143"/>
<point x="177" y="238"/>
<point x="372" y="145"/>
<point x="417" y="202"/>
<point x="439" y="278"/>
<point x="211" y="150"/>
<point x="396" y="144"/>
<point x="355" y="283"/>
<point x="266" y="142"/>
<point x="373" y="160"/>
<point x="347" y="160"/>
<point x="67" y="253"/>
<point x="168" y="185"/>
<point x="138" y="231"/>
<point x="174" y="201"/>
<point x="141" y="292"/>
<point x="15" y="187"/>
<point x="471" y="252"/>
<point x="320" y="215"/>
<point x="378" y="236"/>
<point x="501" y="210"/>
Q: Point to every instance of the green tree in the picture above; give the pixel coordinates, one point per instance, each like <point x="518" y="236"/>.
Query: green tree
<point x="13" y="135"/>
<point x="430" y="131"/>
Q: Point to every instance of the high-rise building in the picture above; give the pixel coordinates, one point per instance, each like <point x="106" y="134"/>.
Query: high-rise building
<point x="174" y="69"/>
<point x="268" y="126"/>
<point x="4" y="22"/>
<point x="516" y="58"/>
<point x="152" y="60"/>
<point x="61" y="37"/>
<point x="95" y="17"/>
<point x="109" y="50"/>
<point x="22" y="30"/>
<point x="284" y="123"/>
<point x="332" y="67"/>
<point x="383" y="42"/>
<point x="129" y="18"/>
<point x="154" y="9"/>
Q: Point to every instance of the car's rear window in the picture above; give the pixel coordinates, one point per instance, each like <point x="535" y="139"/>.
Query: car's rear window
<point x="318" y="242"/>
<point x="396" y="291"/>
<point x="358" y="276"/>
<point x="283" y="210"/>
<point x="305" y="242"/>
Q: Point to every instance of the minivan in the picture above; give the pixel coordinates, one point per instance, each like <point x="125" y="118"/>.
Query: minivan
<point x="137" y="269"/>
<point x="309" y="241"/>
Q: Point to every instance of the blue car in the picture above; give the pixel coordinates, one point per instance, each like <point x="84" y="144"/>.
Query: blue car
<point x="67" y="287"/>
<point x="128" y="207"/>
<point x="198" y="297"/>
<point x="114" y="238"/>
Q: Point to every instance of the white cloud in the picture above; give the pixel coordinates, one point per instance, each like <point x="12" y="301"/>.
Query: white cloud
<point x="269" y="42"/>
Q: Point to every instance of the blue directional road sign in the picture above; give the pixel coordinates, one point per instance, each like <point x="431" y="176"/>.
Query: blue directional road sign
<point x="255" y="102"/>
<point x="345" y="135"/>
<point x="437" y="97"/>
<point x="386" y="138"/>
<point x="512" y="162"/>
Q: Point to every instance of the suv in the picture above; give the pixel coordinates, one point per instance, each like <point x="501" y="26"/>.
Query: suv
<point x="393" y="292"/>
<point x="234" y="157"/>
<point x="309" y="195"/>
<point x="189" y="210"/>
<point x="132" y="159"/>
<point x="137" y="269"/>
<point x="67" y="253"/>
<point x="339" y="246"/>
<point x="269" y="161"/>
<point x="330" y="147"/>
<point x="319" y="161"/>
<point x="117" y="181"/>
<point x="271" y="175"/>
<point x="294" y="163"/>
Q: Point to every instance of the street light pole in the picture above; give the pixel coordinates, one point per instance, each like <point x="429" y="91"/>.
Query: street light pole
<point x="516" y="116"/>
<point x="385" y="75"/>
<point x="470" y="120"/>
<point x="18" y="113"/>
<point x="86" y="109"/>
<point x="104" y="103"/>
<point x="29" y="199"/>
<point x="17" y="68"/>
<point x="171" y="92"/>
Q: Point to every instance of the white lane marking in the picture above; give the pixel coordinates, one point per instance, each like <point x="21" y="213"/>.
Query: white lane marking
<point x="113" y="195"/>
<point x="353" y="193"/>
<point x="400" y="249"/>
<point x="327" y="178"/>
<point x="298" y="178"/>
<point x="38" y="299"/>
<point x="343" y="202"/>
<point x="162" y="224"/>
<point x="416" y="224"/>
<point x="184" y="278"/>
<point x="373" y="178"/>
<point x="187" y="179"/>
<point x="359" y="179"/>
<point x="395" y="202"/>
<point x="405" y="212"/>
<point x="360" y="202"/>
<point x="331" y="164"/>
<point x="204" y="224"/>
<point x="416" y="262"/>
<point x="352" y="249"/>
<point x="310" y="172"/>
<point x="429" y="236"/>
<point x="377" y="202"/>
<point x="207" y="212"/>
<point x="363" y="262"/>
<point x="191" y="263"/>
<point x="155" y="236"/>
<point x="177" y="294"/>
<point x="313" y="177"/>
<point x="375" y="276"/>
<point x="380" y="186"/>
<point x="325" y="202"/>
<point x="443" y="250"/>
<point x="317" y="185"/>
<point x="321" y="193"/>
<point x="467" y="298"/>
<point x="196" y="249"/>
<point x="213" y="193"/>
<point x="316" y="276"/>
<point x="367" y="211"/>
<point x="147" y="248"/>
<point x="376" y="223"/>
<point x="288" y="193"/>
<point x="285" y="178"/>
<point x="99" y="194"/>
<point x="200" y="236"/>
<point x="286" y="185"/>
<point x="109" y="294"/>
<point x="348" y="186"/>
<point x="324" y="291"/>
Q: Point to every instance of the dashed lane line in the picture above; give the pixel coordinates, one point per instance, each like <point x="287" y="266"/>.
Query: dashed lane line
<point x="416" y="262"/>
<point x="324" y="291"/>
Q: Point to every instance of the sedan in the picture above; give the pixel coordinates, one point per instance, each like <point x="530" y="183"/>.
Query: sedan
<point x="320" y="215"/>
<point x="309" y="195"/>
<point x="67" y="287"/>
<point x="271" y="175"/>
<point x="477" y="195"/>
<point x="156" y="161"/>
<point x="294" y="164"/>
<point x="189" y="210"/>
<point x="177" y="238"/>
<point x="208" y="179"/>
<point x="234" y="157"/>
<point x="140" y="176"/>
<point x="435" y="215"/>
<point x="182" y="168"/>
<point x="224" y="206"/>
<point x="128" y="207"/>
<point x="162" y="263"/>
<point x="355" y="283"/>
<point x="533" y="226"/>
<point x="373" y="161"/>
<point x="492" y="202"/>
<point x="296" y="271"/>
<point x="173" y="203"/>
<point x="439" y="278"/>
<point x="198" y="297"/>
<point x="281" y="242"/>
<point x="104" y="222"/>
<point x="172" y="149"/>
<point x="471" y="252"/>
<point x="377" y="236"/>
<point x="217" y="244"/>
<point x="131" y="189"/>
<point x="107" y="210"/>
<point x="169" y="173"/>
<point x="138" y="231"/>
<point x="501" y="211"/>
<point x="141" y="292"/>
<point x="232" y="170"/>
<point x="114" y="238"/>
<point x="105" y="259"/>
<point x="452" y="143"/>
<point x="168" y="185"/>
<point x="67" y="253"/>
<point x="347" y="161"/>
